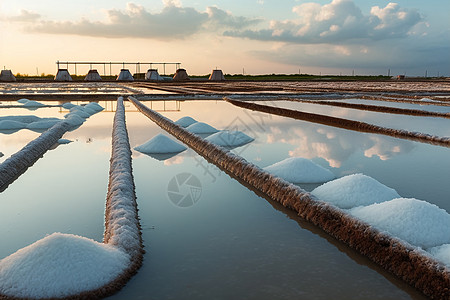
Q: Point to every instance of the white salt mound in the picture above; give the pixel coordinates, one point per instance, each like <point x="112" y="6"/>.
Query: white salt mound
<point x="300" y="170"/>
<point x="11" y="124"/>
<point x="354" y="190"/>
<point x="202" y="128"/>
<point x="415" y="221"/>
<point x="94" y="106"/>
<point x="23" y="100"/>
<point x="441" y="253"/>
<point x="185" y="121"/>
<point x="60" y="265"/>
<point x="44" y="124"/>
<point x="68" y="105"/>
<point x="64" y="141"/>
<point x="160" y="144"/>
<point x="230" y="139"/>
<point x="33" y="104"/>
<point x="78" y="110"/>
<point x="74" y="120"/>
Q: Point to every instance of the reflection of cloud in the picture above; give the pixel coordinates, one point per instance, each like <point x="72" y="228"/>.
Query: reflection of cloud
<point x="177" y="160"/>
<point x="338" y="21"/>
<point x="334" y="146"/>
<point x="385" y="150"/>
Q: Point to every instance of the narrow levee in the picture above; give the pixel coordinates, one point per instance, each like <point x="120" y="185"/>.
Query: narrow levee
<point x="403" y="260"/>
<point x="19" y="162"/>
<point x="375" y="108"/>
<point x="344" y="123"/>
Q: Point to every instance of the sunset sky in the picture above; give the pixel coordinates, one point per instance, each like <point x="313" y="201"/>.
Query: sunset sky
<point x="260" y="36"/>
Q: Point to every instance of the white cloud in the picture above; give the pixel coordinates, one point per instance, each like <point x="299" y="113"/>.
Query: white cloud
<point x="173" y="22"/>
<point x="338" y="21"/>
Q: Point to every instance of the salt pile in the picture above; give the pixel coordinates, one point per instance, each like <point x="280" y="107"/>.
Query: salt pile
<point x="300" y="170"/>
<point x="60" y="265"/>
<point x="33" y="104"/>
<point x="11" y="125"/>
<point x="201" y="128"/>
<point x="230" y="139"/>
<point x="64" y="141"/>
<point x="442" y="253"/>
<point x="418" y="222"/>
<point x="185" y="121"/>
<point x="68" y="105"/>
<point x="354" y="190"/>
<point x="160" y="144"/>
<point x="43" y="124"/>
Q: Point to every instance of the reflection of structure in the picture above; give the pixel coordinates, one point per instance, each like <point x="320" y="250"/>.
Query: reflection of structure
<point x="111" y="106"/>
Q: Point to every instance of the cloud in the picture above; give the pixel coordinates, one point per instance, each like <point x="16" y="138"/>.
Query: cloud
<point x="336" y="22"/>
<point x="173" y="22"/>
<point x="409" y="55"/>
<point x="24" y="16"/>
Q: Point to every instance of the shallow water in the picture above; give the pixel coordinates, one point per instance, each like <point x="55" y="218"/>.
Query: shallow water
<point x="230" y="243"/>
<point x="429" y="125"/>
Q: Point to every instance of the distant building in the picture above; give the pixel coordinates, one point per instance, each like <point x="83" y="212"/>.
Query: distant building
<point x="216" y="75"/>
<point x="400" y="77"/>
<point x="63" y="75"/>
<point x="125" y="75"/>
<point x="181" y="75"/>
<point x="7" y="75"/>
<point x="93" y="75"/>
<point x="152" y="74"/>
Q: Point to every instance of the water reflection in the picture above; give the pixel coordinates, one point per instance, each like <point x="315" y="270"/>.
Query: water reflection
<point x="334" y="146"/>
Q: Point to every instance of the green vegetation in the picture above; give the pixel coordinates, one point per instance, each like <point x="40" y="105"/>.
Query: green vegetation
<point x="304" y="77"/>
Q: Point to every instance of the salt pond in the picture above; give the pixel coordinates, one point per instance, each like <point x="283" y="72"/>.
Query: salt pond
<point x="231" y="243"/>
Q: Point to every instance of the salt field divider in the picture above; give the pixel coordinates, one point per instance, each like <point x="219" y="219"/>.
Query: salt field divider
<point x="344" y="123"/>
<point x="122" y="226"/>
<point x="19" y="162"/>
<point x="409" y="263"/>
<point x="376" y="108"/>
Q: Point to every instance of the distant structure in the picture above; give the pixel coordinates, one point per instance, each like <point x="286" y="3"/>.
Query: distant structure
<point x="63" y="75"/>
<point x="93" y="75"/>
<point x="216" y="75"/>
<point x="152" y="74"/>
<point x="125" y="75"/>
<point x="181" y="75"/>
<point x="7" y="75"/>
<point x="400" y="77"/>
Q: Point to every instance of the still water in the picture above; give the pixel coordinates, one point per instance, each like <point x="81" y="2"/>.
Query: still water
<point x="231" y="243"/>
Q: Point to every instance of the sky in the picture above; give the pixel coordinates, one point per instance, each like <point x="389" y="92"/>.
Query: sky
<point x="333" y="37"/>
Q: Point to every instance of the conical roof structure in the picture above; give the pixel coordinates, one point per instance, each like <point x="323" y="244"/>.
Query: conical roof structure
<point x="152" y="74"/>
<point x="7" y="75"/>
<point x="216" y="75"/>
<point x="125" y="75"/>
<point x="93" y="75"/>
<point x="63" y="75"/>
<point x="180" y="75"/>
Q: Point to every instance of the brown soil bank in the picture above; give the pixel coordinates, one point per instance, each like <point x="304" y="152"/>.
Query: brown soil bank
<point x="408" y="263"/>
<point x="344" y="123"/>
